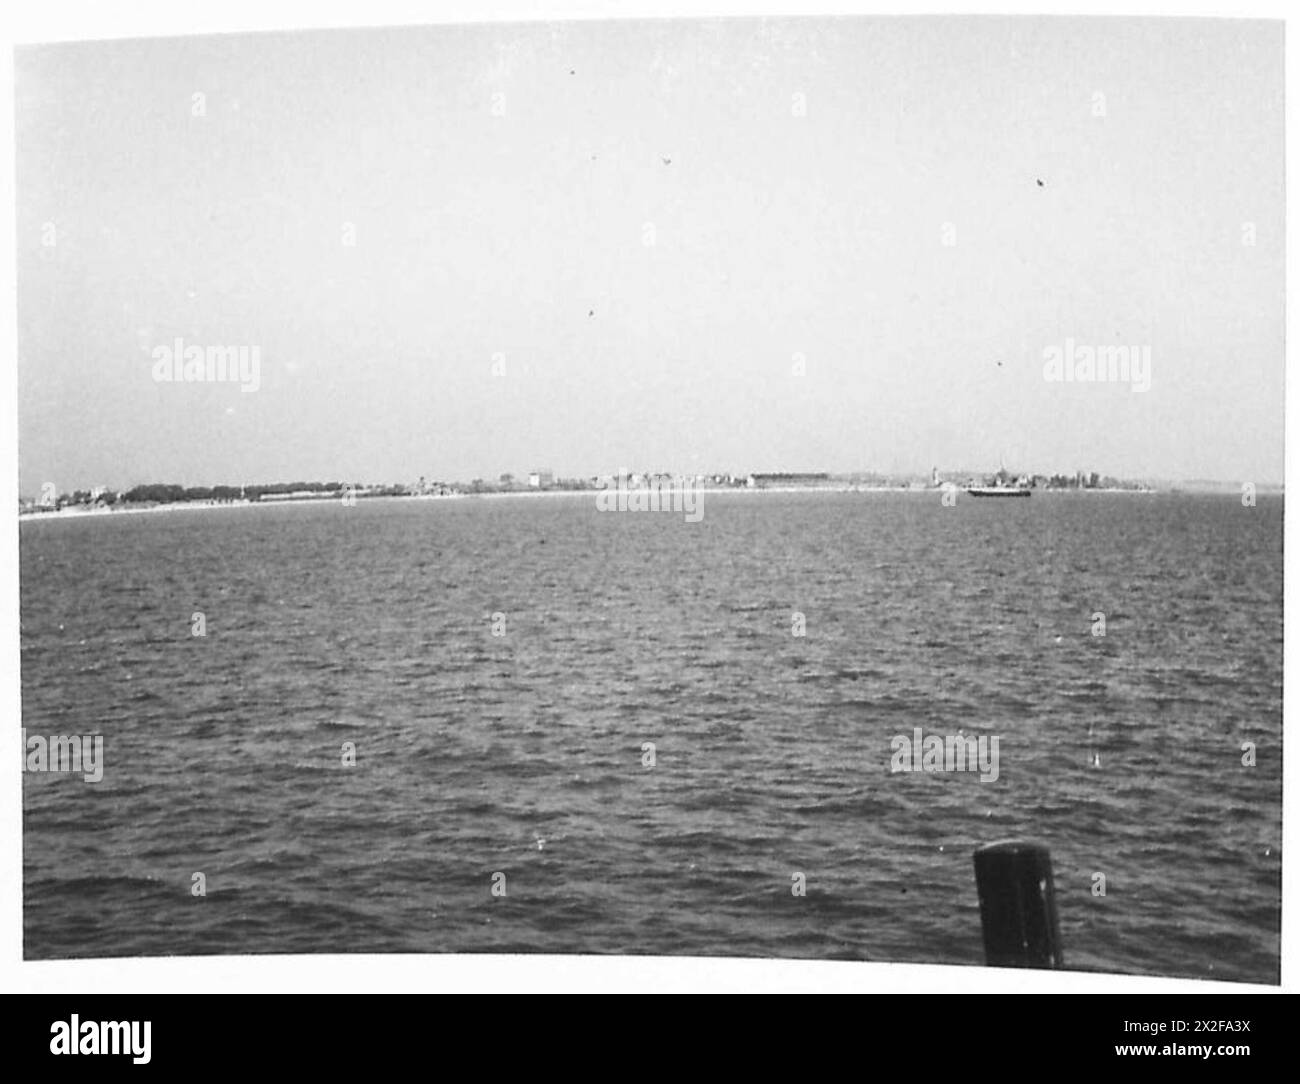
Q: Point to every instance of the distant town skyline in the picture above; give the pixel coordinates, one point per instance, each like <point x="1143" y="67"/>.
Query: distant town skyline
<point x="545" y="479"/>
<point x="842" y="245"/>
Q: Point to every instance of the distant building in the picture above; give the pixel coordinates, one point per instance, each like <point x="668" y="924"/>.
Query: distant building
<point x="540" y="479"/>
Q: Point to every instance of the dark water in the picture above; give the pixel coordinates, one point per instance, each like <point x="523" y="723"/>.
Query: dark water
<point x="372" y="624"/>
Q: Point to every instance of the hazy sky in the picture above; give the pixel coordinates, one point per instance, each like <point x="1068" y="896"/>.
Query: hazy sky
<point x="664" y="225"/>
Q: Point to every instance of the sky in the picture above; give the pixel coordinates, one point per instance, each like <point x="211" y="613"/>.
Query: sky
<point x="837" y="244"/>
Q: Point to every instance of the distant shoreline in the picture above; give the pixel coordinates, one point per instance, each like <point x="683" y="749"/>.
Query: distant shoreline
<point x="848" y="488"/>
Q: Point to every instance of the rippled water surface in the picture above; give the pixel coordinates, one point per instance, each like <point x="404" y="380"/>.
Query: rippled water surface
<point x="523" y="753"/>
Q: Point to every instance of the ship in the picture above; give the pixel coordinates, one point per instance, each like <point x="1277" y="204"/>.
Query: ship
<point x="1002" y="484"/>
<point x="999" y="491"/>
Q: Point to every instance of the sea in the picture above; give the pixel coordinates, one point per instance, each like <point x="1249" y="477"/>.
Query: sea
<point x="514" y="725"/>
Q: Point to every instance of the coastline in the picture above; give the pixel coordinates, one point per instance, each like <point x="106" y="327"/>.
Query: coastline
<point x="181" y="506"/>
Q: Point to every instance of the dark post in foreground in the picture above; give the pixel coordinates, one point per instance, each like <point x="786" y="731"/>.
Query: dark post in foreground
<point x="1018" y="905"/>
